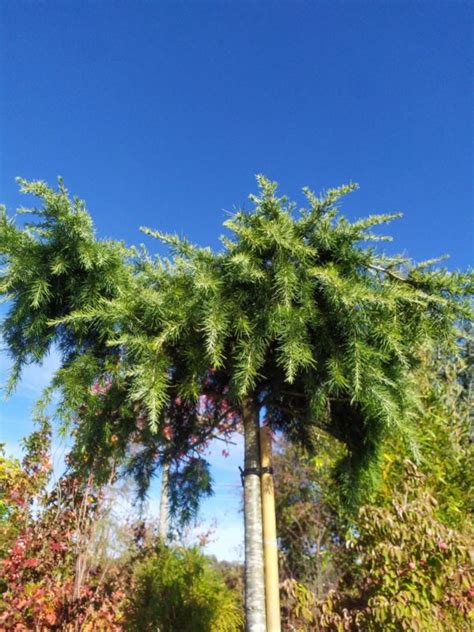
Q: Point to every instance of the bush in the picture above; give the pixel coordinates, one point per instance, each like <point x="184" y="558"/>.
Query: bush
<point x="177" y="589"/>
<point x="411" y="573"/>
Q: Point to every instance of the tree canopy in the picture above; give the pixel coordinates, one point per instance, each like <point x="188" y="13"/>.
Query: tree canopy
<point x="294" y="310"/>
<point x="296" y="319"/>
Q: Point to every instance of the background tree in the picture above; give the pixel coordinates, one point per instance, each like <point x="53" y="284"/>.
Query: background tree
<point x="310" y="530"/>
<point x="55" y="571"/>
<point x="445" y="453"/>
<point x="69" y="565"/>
<point x="178" y="589"/>
<point x="21" y="482"/>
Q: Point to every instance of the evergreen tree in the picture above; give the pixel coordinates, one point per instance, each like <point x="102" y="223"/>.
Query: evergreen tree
<point x="298" y="320"/>
<point x="293" y="319"/>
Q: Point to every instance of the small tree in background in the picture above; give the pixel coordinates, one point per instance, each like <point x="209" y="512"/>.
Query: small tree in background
<point x="444" y="436"/>
<point x="55" y="572"/>
<point x="177" y="589"/>
<point x="21" y="482"/>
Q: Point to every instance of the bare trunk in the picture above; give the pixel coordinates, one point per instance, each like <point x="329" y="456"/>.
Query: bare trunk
<point x="254" y="570"/>
<point x="164" y="503"/>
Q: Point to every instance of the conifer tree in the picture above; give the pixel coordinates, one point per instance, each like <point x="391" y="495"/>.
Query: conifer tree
<point x="301" y="322"/>
<point x="293" y="319"/>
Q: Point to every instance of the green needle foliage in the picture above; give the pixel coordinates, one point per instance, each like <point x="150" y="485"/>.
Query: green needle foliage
<point x="296" y="312"/>
<point x="102" y="307"/>
<point x="49" y="268"/>
<point x="317" y="328"/>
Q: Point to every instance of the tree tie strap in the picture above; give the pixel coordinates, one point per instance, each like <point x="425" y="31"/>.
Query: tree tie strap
<point x="258" y="471"/>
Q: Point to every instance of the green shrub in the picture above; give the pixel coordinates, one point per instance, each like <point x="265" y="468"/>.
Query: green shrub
<point x="412" y="572"/>
<point x="177" y="589"/>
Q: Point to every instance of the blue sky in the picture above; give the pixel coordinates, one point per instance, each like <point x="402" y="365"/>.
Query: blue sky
<point x="161" y="113"/>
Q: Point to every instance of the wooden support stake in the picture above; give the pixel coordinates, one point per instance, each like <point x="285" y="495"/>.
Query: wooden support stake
<point x="270" y="546"/>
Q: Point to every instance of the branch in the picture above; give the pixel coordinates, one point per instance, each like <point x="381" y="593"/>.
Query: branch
<point x="388" y="272"/>
<point x="397" y="277"/>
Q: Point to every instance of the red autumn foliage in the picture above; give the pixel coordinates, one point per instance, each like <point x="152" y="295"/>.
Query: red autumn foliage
<point x="48" y="580"/>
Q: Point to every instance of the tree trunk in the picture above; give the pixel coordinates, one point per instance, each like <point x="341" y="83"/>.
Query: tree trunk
<point x="254" y="570"/>
<point x="164" y="503"/>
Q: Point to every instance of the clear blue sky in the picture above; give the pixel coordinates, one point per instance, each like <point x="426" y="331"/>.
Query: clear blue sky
<point x="160" y="113"/>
